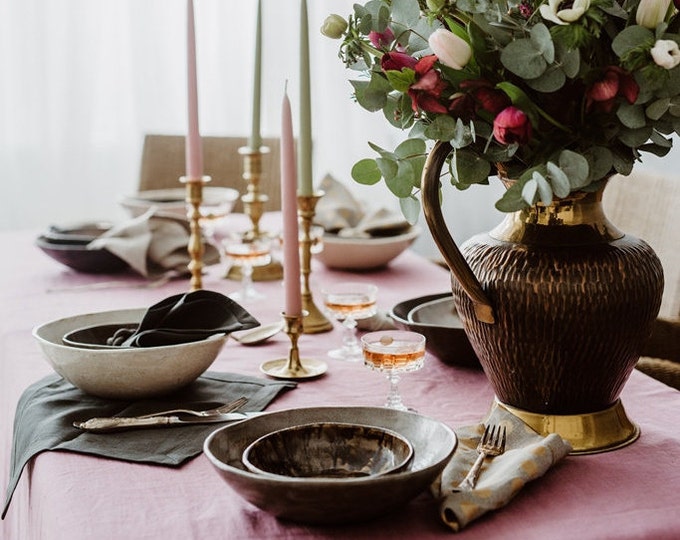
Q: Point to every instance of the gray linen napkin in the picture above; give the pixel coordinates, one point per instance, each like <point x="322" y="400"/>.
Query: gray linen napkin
<point x="47" y="409"/>
<point x="153" y="244"/>
<point x="528" y="456"/>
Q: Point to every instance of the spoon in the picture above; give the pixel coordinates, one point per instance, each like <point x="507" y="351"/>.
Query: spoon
<point x="257" y="335"/>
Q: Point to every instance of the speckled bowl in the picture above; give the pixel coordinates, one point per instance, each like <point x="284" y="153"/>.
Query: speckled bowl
<point x="328" y="450"/>
<point x="332" y="500"/>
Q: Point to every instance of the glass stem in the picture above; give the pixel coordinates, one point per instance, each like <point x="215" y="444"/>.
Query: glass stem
<point x="394" y="398"/>
<point x="247" y="280"/>
<point x="349" y="337"/>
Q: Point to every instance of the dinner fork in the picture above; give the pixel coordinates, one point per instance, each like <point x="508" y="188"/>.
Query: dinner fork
<point x="491" y="444"/>
<point x="222" y="409"/>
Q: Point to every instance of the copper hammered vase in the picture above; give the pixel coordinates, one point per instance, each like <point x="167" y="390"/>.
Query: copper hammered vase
<point x="557" y="304"/>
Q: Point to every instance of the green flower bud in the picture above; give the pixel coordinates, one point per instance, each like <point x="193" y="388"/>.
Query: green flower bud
<point x="334" y="26"/>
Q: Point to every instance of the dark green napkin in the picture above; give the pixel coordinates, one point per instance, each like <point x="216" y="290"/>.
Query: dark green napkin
<point x="47" y="409"/>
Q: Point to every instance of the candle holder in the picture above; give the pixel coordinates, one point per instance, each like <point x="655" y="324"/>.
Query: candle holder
<point x="194" y="198"/>
<point x="253" y="206"/>
<point x="316" y="322"/>
<point x="291" y="367"/>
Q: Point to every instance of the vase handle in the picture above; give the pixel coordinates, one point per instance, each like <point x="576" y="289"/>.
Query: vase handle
<point x="435" y="221"/>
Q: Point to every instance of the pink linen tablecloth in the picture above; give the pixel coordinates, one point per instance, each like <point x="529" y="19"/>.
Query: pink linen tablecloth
<point x="630" y="493"/>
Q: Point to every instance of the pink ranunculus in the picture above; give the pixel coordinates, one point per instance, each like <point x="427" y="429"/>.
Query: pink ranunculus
<point x="614" y="82"/>
<point x="381" y="40"/>
<point x="396" y="61"/>
<point x="512" y="126"/>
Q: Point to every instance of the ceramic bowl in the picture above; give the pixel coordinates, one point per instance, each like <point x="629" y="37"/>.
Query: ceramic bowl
<point x="364" y="253"/>
<point x="328" y="450"/>
<point x="68" y="246"/>
<point x="124" y="373"/>
<point x="95" y="337"/>
<point x="332" y="500"/>
<point x="216" y="200"/>
<point x="436" y="318"/>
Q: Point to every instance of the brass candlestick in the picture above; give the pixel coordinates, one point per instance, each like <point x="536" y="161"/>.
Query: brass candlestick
<point x="315" y="322"/>
<point x="253" y="206"/>
<point x="194" y="198"/>
<point x="291" y="367"/>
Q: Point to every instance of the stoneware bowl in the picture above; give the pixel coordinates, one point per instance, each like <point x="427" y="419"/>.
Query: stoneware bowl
<point x="364" y="253"/>
<point x="172" y="201"/>
<point x="96" y="336"/>
<point x="436" y="318"/>
<point x="332" y="500"/>
<point x="124" y="373"/>
<point x="328" y="450"/>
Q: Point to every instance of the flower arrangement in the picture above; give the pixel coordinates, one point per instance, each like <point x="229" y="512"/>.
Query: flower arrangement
<point x="554" y="94"/>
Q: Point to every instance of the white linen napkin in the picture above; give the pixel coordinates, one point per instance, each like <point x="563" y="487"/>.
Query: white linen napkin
<point x="153" y="244"/>
<point x="528" y="456"/>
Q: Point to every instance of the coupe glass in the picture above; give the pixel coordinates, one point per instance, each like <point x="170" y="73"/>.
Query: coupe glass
<point x="394" y="352"/>
<point x="246" y="253"/>
<point x="348" y="302"/>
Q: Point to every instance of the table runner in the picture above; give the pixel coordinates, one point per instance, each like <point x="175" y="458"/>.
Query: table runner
<point x="47" y="409"/>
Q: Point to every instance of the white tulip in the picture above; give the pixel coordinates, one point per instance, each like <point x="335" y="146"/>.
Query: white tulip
<point x="651" y="12"/>
<point x="451" y="50"/>
<point x="552" y="12"/>
<point x="666" y="53"/>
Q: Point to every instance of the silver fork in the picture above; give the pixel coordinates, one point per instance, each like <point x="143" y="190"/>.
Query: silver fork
<point x="222" y="409"/>
<point x="491" y="444"/>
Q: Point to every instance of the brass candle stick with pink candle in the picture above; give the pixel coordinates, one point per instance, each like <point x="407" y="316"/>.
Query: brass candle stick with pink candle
<point x="194" y="179"/>
<point x="293" y="316"/>
<point x="253" y="154"/>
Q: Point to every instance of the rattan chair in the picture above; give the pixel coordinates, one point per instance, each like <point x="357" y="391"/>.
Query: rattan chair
<point x="647" y="205"/>
<point x="163" y="162"/>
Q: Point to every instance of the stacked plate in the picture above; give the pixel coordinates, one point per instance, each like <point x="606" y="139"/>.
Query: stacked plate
<point x="68" y="245"/>
<point x="249" y="455"/>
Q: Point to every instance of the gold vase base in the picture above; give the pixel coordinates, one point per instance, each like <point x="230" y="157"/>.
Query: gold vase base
<point x="269" y="272"/>
<point x="315" y="322"/>
<point x="306" y="369"/>
<point x="588" y="433"/>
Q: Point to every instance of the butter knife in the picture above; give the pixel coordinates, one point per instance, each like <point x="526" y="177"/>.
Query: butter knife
<point x="118" y="423"/>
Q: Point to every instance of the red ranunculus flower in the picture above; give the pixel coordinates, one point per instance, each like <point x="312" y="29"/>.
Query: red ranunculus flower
<point x="396" y="61"/>
<point x="381" y="40"/>
<point x="427" y="90"/>
<point x="512" y="126"/>
<point x="614" y="82"/>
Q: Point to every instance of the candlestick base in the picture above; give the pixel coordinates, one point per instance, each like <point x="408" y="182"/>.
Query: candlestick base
<point x="316" y="322"/>
<point x="269" y="272"/>
<point x="194" y="198"/>
<point x="292" y="367"/>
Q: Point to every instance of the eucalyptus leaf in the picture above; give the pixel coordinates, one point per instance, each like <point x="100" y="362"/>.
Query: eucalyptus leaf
<point x="635" y="137"/>
<point x="545" y="192"/>
<point x="388" y="168"/>
<point x="410" y="208"/>
<point x="401" y="184"/>
<point x="600" y="162"/>
<point x="468" y="168"/>
<point x="410" y="148"/>
<point x="443" y="128"/>
<point x="630" y="38"/>
<point x="529" y="191"/>
<point x="631" y="116"/>
<point x="542" y="41"/>
<point x="523" y="59"/>
<point x="383" y="153"/>
<point x="366" y="172"/>
<point x="552" y="80"/>
<point x="658" y="108"/>
<point x="512" y="200"/>
<point x="405" y="12"/>
<point x="575" y="166"/>
<point x="569" y="60"/>
<point x="558" y="180"/>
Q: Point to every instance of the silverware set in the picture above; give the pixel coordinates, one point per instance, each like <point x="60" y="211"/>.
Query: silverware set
<point x="223" y="413"/>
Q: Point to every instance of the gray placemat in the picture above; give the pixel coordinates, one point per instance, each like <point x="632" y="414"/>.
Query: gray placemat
<point x="47" y="409"/>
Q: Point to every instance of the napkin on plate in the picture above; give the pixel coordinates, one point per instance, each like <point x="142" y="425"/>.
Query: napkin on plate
<point x="47" y="409"/>
<point x="527" y="456"/>
<point x="187" y="317"/>
<point x="153" y="244"/>
<point x="339" y="212"/>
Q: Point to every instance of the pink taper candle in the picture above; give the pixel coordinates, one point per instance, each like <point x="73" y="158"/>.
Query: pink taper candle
<point x="291" y="242"/>
<point x="194" y="146"/>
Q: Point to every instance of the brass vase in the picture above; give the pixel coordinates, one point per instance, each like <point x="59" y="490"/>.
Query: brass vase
<point x="557" y="304"/>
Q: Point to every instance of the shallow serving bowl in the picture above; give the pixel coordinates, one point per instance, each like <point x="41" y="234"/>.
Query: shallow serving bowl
<point x="364" y="253"/>
<point x="124" y="373"/>
<point x="436" y="318"/>
<point x="217" y="200"/>
<point x="328" y="450"/>
<point x="332" y="500"/>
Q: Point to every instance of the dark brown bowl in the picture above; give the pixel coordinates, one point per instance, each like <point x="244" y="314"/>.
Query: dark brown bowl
<point x="96" y="337"/>
<point x="73" y="252"/>
<point x="441" y="326"/>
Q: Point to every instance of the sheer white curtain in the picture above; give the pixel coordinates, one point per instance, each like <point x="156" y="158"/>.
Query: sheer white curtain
<point x="82" y="81"/>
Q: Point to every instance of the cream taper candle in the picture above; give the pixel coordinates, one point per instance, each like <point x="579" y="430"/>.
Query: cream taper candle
<point x="305" y="136"/>
<point x="255" y="138"/>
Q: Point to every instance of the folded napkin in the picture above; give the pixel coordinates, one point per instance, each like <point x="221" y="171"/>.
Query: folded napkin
<point x="153" y="244"/>
<point x="47" y="409"/>
<point x="184" y="318"/>
<point x="339" y="212"/>
<point x="527" y="456"/>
